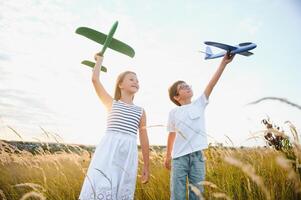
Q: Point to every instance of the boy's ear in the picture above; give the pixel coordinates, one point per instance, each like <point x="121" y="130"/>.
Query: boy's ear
<point x="177" y="98"/>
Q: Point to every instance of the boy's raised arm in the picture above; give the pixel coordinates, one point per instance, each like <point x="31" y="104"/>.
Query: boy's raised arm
<point x="227" y="59"/>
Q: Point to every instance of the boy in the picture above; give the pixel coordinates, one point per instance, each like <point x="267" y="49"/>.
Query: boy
<point x="187" y="136"/>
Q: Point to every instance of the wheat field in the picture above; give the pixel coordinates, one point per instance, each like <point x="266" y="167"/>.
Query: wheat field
<point x="271" y="172"/>
<point x="232" y="173"/>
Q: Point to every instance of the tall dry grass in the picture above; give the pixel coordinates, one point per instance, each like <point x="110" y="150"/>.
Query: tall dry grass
<point x="53" y="176"/>
<point x="231" y="173"/>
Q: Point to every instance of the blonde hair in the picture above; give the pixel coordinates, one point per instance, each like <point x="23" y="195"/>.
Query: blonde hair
<point x="120" y="78"/>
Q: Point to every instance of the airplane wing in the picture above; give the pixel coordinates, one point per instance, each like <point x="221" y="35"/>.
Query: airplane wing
<point x="100" y="38"/>
<point x="92" y="64"/>
<point x="246" y="53"/>
<point x="221" y="46"/>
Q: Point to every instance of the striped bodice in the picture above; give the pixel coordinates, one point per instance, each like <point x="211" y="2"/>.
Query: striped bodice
<point x="124" y="117"/>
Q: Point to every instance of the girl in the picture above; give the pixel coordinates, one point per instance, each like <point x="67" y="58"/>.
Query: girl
<point x="113" y="168"/>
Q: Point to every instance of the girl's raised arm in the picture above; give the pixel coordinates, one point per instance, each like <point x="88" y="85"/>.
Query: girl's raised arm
<point x="104" y="96"/>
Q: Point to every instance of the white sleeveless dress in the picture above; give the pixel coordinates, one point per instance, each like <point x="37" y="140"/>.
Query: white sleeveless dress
<point x="113" y="169"/>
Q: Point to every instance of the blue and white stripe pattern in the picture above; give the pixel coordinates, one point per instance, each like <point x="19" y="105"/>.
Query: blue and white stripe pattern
<point x="124" y="117"/>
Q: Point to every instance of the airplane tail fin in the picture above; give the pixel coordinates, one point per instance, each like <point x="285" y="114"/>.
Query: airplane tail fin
<point x="207" y="52"/>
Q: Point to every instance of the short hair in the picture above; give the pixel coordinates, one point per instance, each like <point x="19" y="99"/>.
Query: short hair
<point x="173" y="91"/>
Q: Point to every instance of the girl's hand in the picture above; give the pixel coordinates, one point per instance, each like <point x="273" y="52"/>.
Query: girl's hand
<point x="228" y="58"/>
<point x="145" y="175"/>
<point x="98" y="57"/>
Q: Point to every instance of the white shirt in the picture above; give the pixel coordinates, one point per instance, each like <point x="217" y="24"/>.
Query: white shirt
<point x="188" y="121"/>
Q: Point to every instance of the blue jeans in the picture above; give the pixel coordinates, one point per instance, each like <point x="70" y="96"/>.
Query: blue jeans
<point x="191" y="166"/>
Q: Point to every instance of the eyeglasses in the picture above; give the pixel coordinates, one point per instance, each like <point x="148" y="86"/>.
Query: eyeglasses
<point x="183" y="87"/>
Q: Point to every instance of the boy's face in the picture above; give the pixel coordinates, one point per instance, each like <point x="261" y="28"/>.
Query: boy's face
<point x="184" y="92"/>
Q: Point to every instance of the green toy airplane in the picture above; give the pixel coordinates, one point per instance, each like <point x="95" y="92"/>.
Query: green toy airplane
<point x="106" y="41"/>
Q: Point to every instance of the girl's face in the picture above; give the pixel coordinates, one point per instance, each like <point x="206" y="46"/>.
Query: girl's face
<point x="184" y="91"/>
<point x="130" y="83"/>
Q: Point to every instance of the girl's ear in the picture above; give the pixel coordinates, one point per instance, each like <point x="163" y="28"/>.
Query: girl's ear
<point x="120" y="85"/>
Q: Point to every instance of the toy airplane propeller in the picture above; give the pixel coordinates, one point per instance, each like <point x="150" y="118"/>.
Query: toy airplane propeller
<point x="107" y="41"/>
<point x="242" y="49"/>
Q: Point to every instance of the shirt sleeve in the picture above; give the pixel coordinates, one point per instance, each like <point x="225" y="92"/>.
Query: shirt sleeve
<point x="171" y="122"/>
<point x="201" y="101"/>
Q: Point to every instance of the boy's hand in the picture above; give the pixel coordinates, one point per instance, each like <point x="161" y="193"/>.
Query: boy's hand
<point x="145" y="175"/>
<point x="228" y="58"/>
<point x="167" y="162"/>
<point x="98" y="57"/>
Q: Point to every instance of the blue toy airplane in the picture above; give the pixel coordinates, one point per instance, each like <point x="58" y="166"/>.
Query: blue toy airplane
<point x="242" y="49"/>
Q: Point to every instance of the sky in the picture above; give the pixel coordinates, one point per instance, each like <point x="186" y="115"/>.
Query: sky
<point x="43" y="86"/>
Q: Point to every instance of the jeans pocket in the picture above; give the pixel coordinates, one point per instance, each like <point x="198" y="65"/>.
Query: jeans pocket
<point x="179" y="164"/>
<point x="201" y="156"/>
